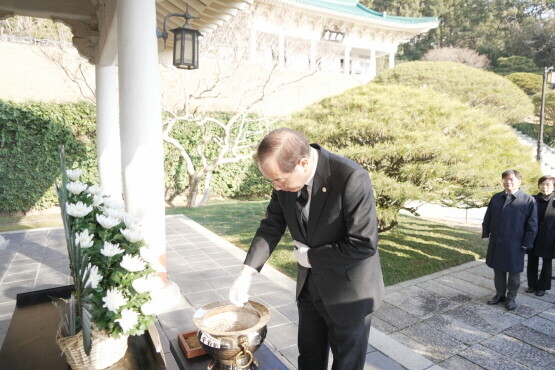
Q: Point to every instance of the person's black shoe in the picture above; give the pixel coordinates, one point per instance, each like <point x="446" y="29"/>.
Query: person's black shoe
<point x="496" y="299"/>
<point x="530" y="290"/>
<point x="510" y="304"/>
<point x="540" y="293"/>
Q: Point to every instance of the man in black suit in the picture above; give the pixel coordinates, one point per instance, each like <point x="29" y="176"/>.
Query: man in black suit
<point x="328" y="205"/>
<point x="510" y="224"/>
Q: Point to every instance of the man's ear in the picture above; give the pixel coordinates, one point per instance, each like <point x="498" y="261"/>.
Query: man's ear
<point x="304" y="163"/>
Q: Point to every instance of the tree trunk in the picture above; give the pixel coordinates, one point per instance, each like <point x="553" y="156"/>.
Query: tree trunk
<point x="194" y="183"/>
<point x="206" y="192"/>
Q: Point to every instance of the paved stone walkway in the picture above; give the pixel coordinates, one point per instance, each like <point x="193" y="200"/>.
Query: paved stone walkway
<point x="436" y="321"/>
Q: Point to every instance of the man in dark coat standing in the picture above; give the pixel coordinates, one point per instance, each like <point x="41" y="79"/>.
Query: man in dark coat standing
<point x="328" y="205"/>
<point x="510" y="224"/>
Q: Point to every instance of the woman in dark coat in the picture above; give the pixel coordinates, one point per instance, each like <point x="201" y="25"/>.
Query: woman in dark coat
<point x="544" y="245"/>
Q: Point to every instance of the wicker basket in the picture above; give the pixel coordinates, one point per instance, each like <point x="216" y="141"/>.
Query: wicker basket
<point x="105" y="351"/>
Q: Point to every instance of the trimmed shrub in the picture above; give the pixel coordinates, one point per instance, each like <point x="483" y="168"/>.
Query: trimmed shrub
<point x="460" y="55"/>
<point x="530" y="83"/>
<point x="492" y="94"/>
<point x="417" y="145"/>
<point x="515" y="63"/>
<point x="549" y="107"/>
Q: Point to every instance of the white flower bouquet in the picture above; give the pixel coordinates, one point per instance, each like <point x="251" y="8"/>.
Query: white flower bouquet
<point x="113" y="271"/>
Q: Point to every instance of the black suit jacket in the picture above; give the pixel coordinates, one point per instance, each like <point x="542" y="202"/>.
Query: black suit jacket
<point x="342" y="234"/>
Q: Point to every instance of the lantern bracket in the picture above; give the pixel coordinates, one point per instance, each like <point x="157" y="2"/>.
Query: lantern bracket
<point x="164" y="33"/>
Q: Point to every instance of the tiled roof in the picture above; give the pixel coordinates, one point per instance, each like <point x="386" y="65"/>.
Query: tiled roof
<point x="353" y="7"/>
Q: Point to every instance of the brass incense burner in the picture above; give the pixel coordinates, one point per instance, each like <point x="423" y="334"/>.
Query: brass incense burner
<point x="231" y="334"/>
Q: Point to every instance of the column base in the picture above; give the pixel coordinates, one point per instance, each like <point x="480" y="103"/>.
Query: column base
<point x="169" y="299"/>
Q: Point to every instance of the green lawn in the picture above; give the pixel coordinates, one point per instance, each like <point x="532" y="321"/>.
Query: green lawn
<point x="413" y="249"/>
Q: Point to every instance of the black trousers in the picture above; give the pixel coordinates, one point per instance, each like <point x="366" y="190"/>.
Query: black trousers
<point x="543" y="282"/>
<point x="506" y="283"/>
<point x="318" y="333"/>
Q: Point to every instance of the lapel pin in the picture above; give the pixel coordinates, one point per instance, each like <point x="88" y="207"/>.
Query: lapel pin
<point x="324" y="189"/>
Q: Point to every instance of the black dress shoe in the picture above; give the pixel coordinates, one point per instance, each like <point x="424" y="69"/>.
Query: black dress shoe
<point x="530" y="290"/>
<point x="496" y="299"/>
<point x="540" y="293"/>
<point x="510" y="304"/>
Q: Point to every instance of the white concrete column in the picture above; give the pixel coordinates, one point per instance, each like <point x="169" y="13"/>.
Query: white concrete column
<point x="142" y="158"/>
<point x="391" y="60"/>
<point x="252" y="42"/>
<point x="347" y="60"/>
<point x="373" y="72"/>
<point x="313" y="56"/>
<point x="281" y="49"/>
<point x="107" y="130"/>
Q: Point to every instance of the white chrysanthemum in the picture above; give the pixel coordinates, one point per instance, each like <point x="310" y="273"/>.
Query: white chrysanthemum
<point x="110" y="250"/>
<point x="114" y="213"/>
<point x="129" y="222"/>
<point x="152" y="256"/>
<point x="73" y="175"/>
<point x="141" y="285"/>
<point x="132" y="235"/>
<point x="147" y="283"/>
<point x="155" y="282"/>
<point x="94" y="277"/>
<point x="84" y="239"/>
<point x="129" y="319"/>
<point x="76" y="187"/>
<point x="114" y="299"/>
<point x="132" y="263"/>
<point x="78" y="209"/>
<point x="112" y="202"/>
<point x="95" y="190"/>
<point x="107" y="222"/>
<point x="98" y="200"/>
<point x="149" y="308"/>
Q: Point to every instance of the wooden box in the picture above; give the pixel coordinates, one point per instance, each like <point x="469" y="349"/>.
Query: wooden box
<point x="190" y="345"/>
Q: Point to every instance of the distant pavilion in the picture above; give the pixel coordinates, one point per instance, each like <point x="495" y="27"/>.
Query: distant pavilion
<point x="332" y="35"/>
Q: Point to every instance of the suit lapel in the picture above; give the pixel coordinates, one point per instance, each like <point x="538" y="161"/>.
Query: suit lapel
<point x="320" y="190"/>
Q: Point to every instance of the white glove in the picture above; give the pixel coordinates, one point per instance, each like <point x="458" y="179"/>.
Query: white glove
<point x="239" y="292"/>
<point x="301" y="254"/>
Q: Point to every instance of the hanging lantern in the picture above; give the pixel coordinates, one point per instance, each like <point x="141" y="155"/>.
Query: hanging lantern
<point x="185" y="47"/>
<point x="185" y="41"/>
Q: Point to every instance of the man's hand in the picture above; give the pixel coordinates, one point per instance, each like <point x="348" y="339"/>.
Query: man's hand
<point x="239" y="292"/>
<point x="301" y="254"/>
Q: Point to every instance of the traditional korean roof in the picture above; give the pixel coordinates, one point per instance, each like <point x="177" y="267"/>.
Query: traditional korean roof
<point x="354" y="8"/>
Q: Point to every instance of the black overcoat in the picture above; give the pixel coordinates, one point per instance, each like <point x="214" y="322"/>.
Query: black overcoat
<point x="342" y="234"/>
<point x="544" y="245"/>
<point x="509" y="227"/>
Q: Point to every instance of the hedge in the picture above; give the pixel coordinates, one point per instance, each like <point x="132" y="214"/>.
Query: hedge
<point x="30" y="137"/>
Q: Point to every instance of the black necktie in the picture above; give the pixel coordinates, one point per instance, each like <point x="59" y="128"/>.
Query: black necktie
<point x="302" y="199"/>
<point x="508" y="198"/>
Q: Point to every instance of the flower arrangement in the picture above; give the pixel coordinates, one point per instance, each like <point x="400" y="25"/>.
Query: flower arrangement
<point x="113" y="270"/>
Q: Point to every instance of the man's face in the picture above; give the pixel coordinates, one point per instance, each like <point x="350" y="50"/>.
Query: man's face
<point x="292" y="181"/>
<point x="511" y="183"/>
